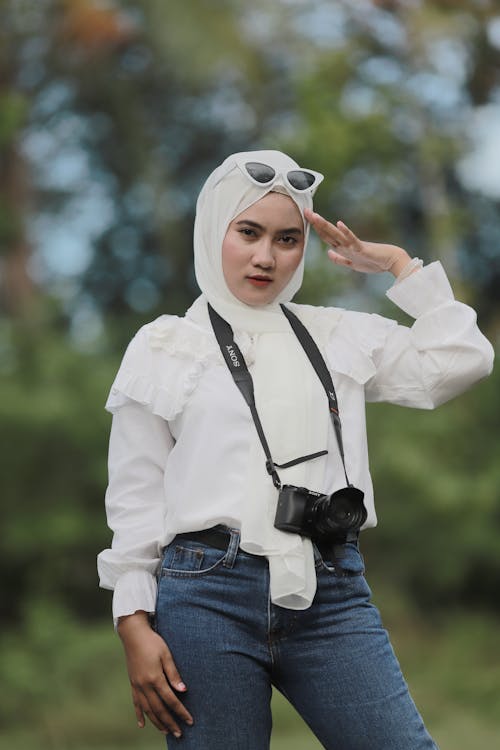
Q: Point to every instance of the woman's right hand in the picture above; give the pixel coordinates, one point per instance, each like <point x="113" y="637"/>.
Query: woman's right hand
<point x="153" y="675"/>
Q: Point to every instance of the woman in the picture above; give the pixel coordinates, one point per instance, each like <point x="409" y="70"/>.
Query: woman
<point x="213" y="602"/>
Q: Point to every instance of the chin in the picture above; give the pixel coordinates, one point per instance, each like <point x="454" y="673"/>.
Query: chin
<point x="255" y="297"/>
<point x="256" y="302"/>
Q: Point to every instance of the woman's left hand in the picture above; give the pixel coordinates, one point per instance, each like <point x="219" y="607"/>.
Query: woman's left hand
<point x="348" y="250"/>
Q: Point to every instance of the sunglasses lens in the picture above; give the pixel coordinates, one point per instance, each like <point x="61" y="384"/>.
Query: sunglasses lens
<point x="260" y="172"/>
<point x="300" y="180"/>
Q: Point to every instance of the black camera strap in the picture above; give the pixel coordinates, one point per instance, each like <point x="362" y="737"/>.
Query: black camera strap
<point x="242" y="378"/>
<point x="316" y="358"/>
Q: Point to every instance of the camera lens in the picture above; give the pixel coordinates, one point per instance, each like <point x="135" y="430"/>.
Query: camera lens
<point x="340" y="512"/>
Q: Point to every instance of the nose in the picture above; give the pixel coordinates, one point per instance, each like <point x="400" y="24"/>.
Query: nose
<point x="263" y="256"/>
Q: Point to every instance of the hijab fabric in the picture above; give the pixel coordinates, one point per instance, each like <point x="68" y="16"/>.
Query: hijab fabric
<point x="282" y="375"/>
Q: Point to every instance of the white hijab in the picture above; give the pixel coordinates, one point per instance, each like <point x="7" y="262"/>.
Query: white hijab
<point x="282" y="376"/>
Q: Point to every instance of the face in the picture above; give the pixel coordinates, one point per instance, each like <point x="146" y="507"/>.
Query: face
<point x="262" y="249"/>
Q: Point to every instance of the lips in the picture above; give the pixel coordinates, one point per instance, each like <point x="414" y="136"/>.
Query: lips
<point x="259" y="281"/>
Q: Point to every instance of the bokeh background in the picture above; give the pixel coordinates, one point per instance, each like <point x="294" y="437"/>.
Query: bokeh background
<point x="111" y="115"/>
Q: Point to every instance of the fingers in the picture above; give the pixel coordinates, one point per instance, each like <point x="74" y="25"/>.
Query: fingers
<point x="165" y="724"/>
<point x="157" y="712"/>
<point x="348" y="236"/>
<point x="326" y="230"/>
<point x="154" y="697"/>
<point x="346" y="249"/>
<point x="169" y="698"/>
<point x="154" y="678"/>
<point x="339" y="259"/>
<point x="171" y="670"/>
<point x="138" y="711"/>
<point x="336" y="235"/>
<point x="154" y="702"/>
<point x="175" y="680"/>
<point x="142" y="707"/>
<point x="341" y="236"/>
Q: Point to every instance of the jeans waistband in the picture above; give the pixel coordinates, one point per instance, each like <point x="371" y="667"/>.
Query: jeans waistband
<point x="226" y="539"/>
<point x="220" y="537"/>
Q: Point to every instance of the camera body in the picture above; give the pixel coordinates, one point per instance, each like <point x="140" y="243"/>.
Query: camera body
<point x="318" y="516"/>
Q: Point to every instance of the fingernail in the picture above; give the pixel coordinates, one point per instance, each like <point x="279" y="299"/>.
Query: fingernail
<point x="181" y="686"/>
<point x="190" y="722"/>
<point x="177" y="734"/>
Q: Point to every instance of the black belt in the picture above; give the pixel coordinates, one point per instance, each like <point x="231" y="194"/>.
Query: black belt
<point x="213" y="537"/>
<point x="220" y="540"/>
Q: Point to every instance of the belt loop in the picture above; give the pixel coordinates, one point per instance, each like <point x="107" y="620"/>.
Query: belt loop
<point x="232" y="549"/>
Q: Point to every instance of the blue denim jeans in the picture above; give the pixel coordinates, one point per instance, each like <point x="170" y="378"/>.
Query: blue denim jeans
<point x="333" y="661"/>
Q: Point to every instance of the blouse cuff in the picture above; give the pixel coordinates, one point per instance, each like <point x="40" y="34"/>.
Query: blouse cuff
<point x="422" y="292"/>
<point x="135" y="590"/>
<point x="411" y="266"/>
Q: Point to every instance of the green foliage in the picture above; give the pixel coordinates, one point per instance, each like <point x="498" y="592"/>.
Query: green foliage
<point x="10" y="227"/>
<point x="60" y="674"/>
<point x="436" y="477"/>
<point x="53" y="464"/>
<point x="13" y="111"/>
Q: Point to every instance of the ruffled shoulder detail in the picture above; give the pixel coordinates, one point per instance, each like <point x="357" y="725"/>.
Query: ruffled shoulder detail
<point x="162" y="366"/>
<point x="353" y="344"/>
<point x="186" y="340"/>
<point x="166" y="401"/>
<point x="164" y="362"/>
<point x="181" y="338"/>
<point x="343" y="339"/>
<point x="319" y="321"/>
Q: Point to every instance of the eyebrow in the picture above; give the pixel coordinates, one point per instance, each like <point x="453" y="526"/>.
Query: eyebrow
<point x="256" y="225"/>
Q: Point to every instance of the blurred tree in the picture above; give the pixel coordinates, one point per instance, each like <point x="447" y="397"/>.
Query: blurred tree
<point x="142" y="105"/>
<point x="147" y="104"/>
<point x="386" y="107"/>
<point x="17" y="288"/>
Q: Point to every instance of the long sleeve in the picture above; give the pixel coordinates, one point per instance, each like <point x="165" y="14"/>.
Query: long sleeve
<point x="440" y="356"/>
<point x="139" y="445"/>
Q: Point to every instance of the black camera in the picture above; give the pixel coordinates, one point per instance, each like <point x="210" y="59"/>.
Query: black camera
<point x="320" y="517"/>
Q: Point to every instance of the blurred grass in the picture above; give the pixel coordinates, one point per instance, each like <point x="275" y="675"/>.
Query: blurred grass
<point x="67" y="687"/>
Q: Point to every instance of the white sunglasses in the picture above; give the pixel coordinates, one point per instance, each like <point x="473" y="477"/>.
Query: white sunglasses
<point x="298" y="180"/>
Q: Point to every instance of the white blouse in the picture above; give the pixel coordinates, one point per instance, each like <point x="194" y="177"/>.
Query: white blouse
<point x="181" y="431"/>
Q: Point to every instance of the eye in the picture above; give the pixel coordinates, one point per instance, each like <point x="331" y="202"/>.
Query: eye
<point x="247" y="232"/>
<point x="288" y="239"/>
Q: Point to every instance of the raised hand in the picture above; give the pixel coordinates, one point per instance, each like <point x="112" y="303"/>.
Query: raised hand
<point x="346" y="249"/>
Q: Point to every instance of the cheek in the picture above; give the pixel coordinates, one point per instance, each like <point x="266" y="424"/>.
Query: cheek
<point x="293" y="262"/>
<point x="233" y="259"/>
<point x="229" y="255"/>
